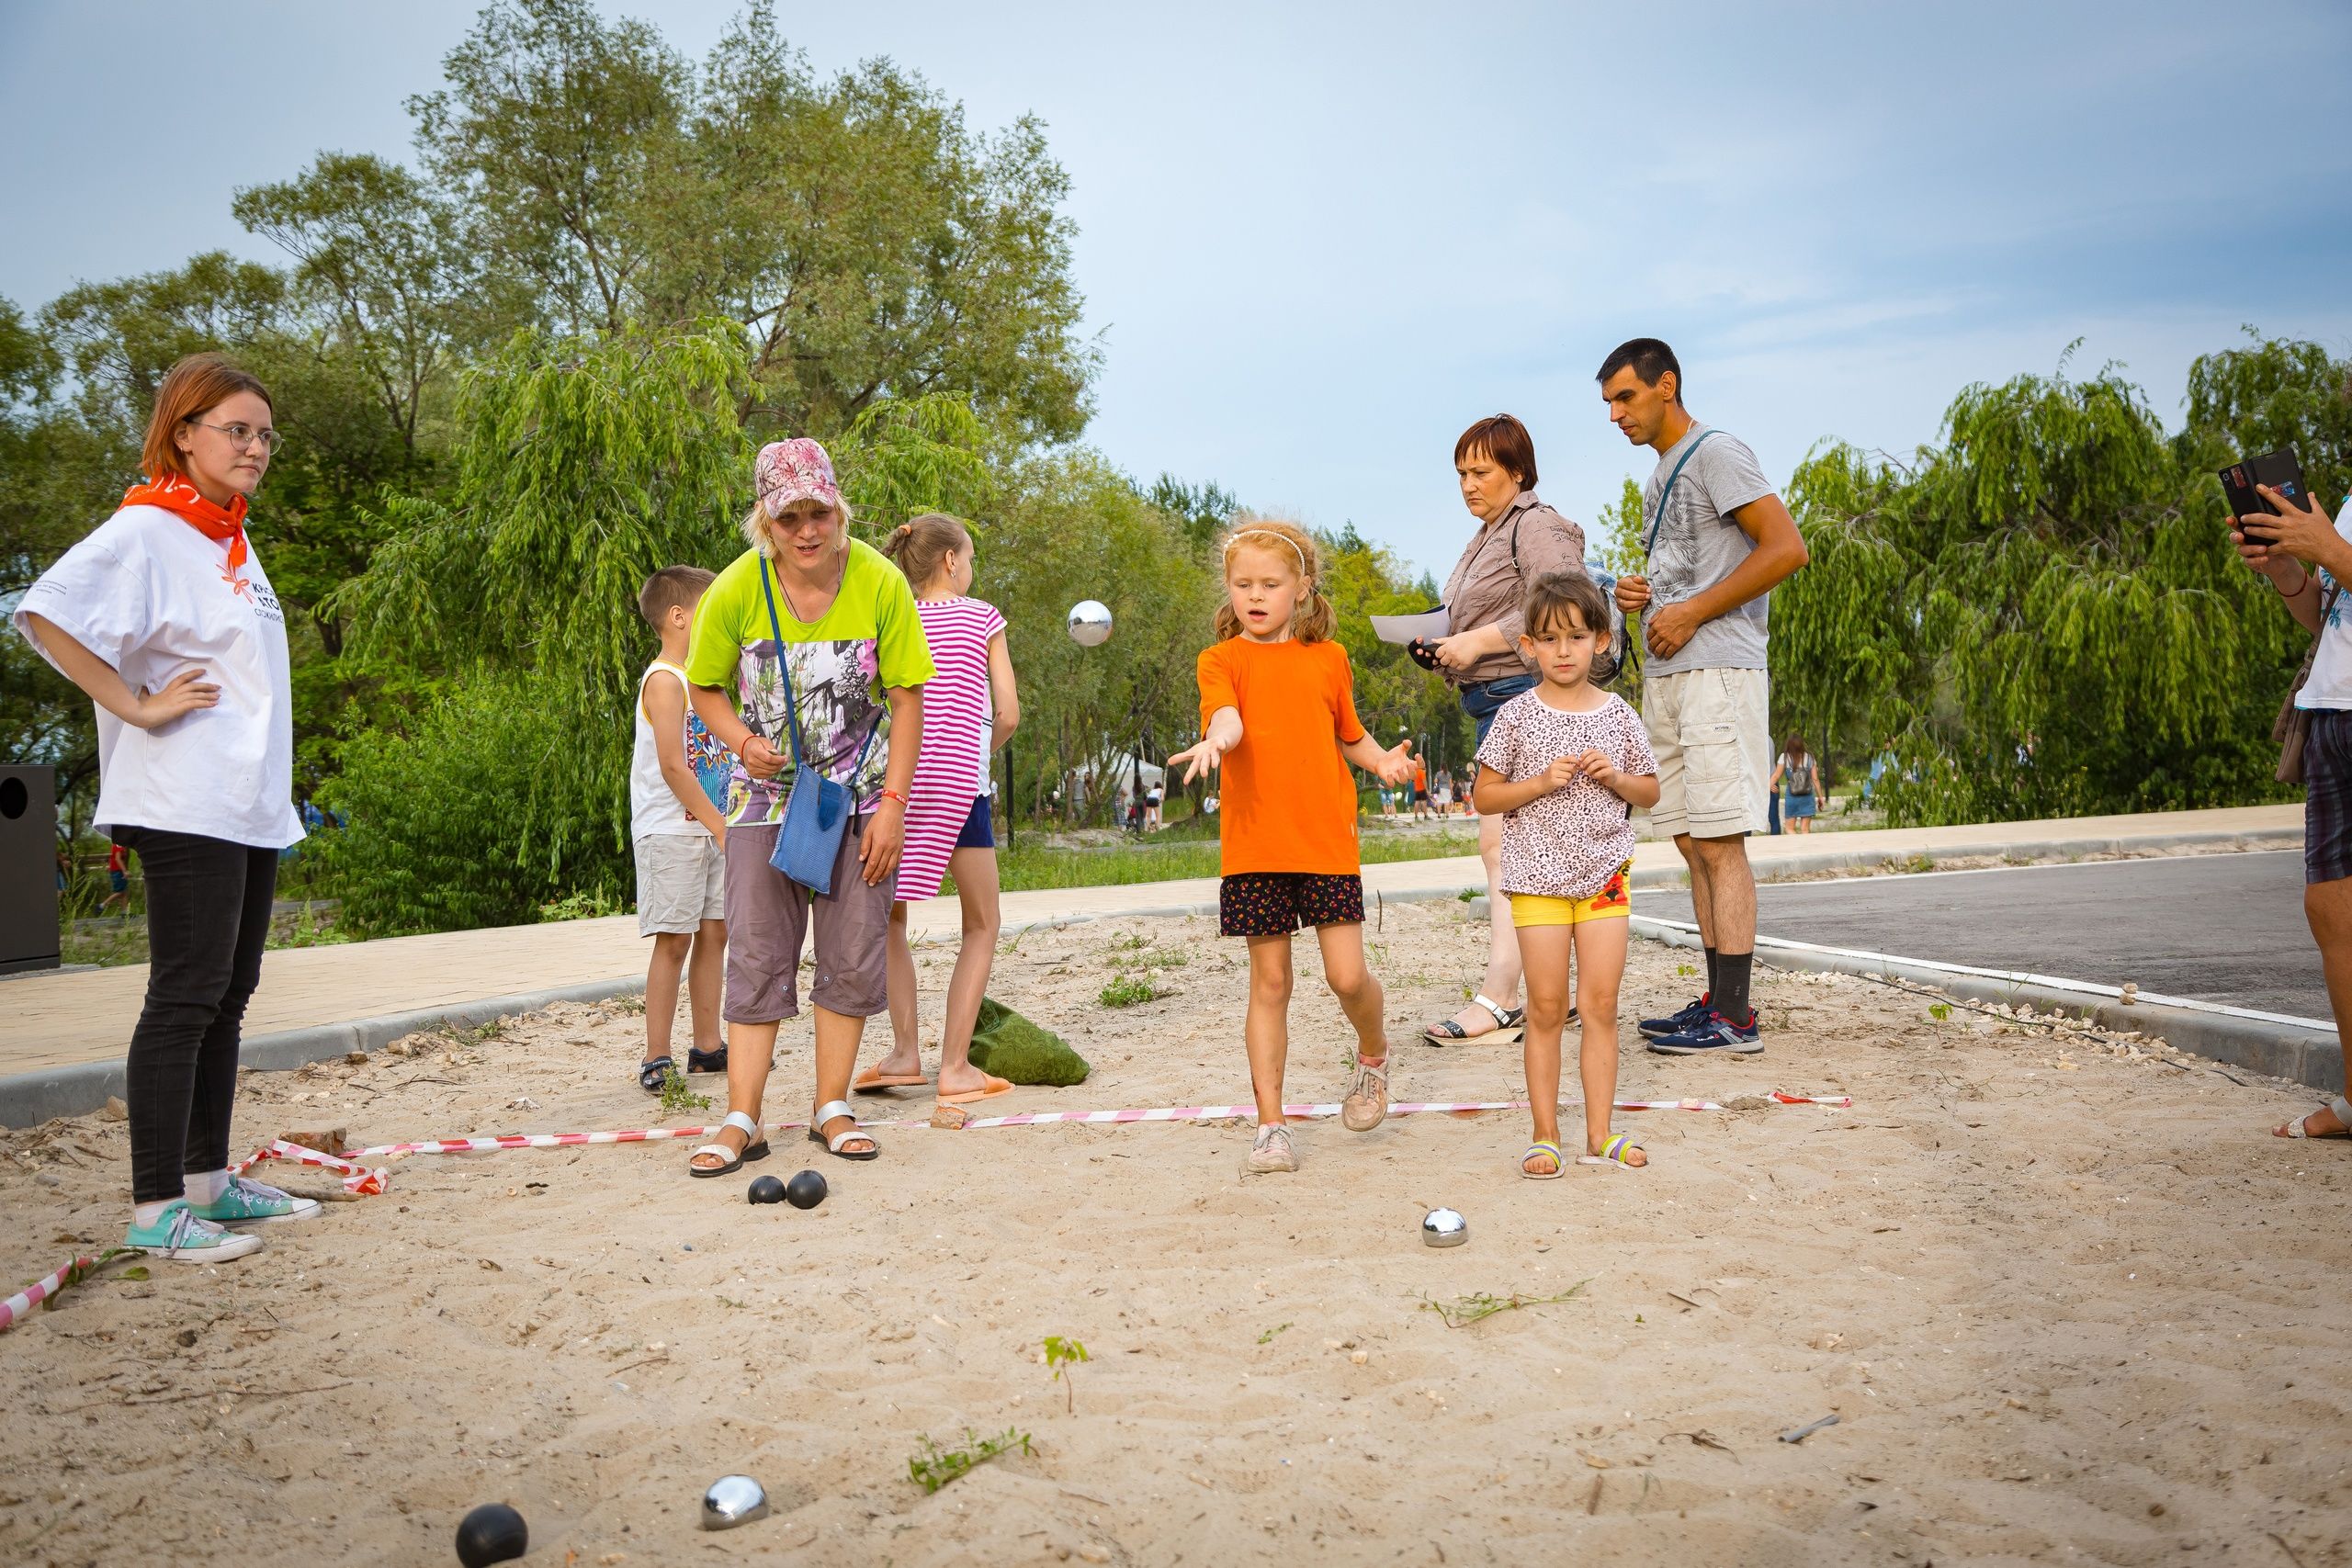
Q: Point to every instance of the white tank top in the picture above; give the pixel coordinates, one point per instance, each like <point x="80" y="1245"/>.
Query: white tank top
<point x="655" y="807"/>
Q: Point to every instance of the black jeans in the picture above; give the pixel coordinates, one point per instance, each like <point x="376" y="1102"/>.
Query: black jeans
<point x="208" y="919"/>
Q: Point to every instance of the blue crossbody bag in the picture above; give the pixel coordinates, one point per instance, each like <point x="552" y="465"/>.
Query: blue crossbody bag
<point x="817" y="810"/>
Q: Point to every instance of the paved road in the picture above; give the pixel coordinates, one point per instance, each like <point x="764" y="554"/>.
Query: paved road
<point x="2221" y="928"/>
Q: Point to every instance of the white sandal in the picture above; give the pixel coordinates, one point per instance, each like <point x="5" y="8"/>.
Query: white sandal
<point x="827" y="1112"/>
<point x="1509" y="1024"/>
<point x="755" y="1146"/>
<point x="2342" y="1110"/>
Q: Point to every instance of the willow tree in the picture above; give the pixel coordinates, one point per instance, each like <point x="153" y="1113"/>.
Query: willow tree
<point x="581" y="466"/>
<point x="2039" y="616"/>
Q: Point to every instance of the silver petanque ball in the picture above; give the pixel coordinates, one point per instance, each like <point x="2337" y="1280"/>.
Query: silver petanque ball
<point x="1089" y="623"/>
<point x="1444" y="1227"/>
<point x="734" y="1500"/>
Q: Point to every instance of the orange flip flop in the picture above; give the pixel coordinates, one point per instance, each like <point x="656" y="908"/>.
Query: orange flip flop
<point x="874" y="1080"/>
<point x="995" y="1087"/>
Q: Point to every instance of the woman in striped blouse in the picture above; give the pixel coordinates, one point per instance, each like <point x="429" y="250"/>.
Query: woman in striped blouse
<point x="970" y="710"/>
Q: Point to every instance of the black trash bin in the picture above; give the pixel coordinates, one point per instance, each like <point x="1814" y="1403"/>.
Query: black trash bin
<point x="28" y="937"/>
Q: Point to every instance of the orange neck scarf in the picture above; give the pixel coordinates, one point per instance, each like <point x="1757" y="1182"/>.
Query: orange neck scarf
<point x="176" y="493"/>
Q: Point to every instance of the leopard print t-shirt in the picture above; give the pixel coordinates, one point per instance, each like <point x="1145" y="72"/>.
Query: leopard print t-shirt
<point x="1566" y="844"/>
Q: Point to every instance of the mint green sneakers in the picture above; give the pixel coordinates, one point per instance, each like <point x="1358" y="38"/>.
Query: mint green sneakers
<point x="179" y="1233"/>
<point x="243" y="1203"/>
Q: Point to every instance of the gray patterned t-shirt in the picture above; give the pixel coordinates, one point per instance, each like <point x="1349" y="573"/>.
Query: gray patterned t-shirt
<point x="1696" y="544"/>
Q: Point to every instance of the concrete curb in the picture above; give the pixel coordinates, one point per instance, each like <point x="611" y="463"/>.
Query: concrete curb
<point x="2309" y="1056"/>
<point x="27" y="1098"/>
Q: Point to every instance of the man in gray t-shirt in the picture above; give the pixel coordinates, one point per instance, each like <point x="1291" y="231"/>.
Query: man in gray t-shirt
<point x="1716" y="539"/>
<point x="1695" y="545"/>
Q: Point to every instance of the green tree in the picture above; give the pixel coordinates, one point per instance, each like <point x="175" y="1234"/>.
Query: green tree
<point x="2276" y="392"/>
<point x="581" y="466"/>
<point x="2039" y="616"/>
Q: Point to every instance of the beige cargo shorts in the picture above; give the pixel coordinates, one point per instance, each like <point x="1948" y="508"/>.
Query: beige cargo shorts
<point x="1709" y="731"/>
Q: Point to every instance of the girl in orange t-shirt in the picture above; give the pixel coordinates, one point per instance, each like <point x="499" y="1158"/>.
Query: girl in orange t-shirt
<point x="1278" y="712"/>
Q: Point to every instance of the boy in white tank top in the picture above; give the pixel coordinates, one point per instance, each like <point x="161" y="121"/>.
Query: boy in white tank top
<point x="677" y="783"/>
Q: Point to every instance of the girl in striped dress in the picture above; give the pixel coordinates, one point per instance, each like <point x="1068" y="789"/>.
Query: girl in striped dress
<point x="969" y="710"/>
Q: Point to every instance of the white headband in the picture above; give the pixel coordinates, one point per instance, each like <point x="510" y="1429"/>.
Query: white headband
<point x="1240" y="534"/>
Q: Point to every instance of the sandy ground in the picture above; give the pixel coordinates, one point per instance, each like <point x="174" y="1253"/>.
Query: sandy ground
<point x="2066" y="1303"/>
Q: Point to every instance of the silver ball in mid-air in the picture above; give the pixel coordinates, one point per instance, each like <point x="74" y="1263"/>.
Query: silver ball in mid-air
<point x="1089" y="623"/>
<point x="734" y="1500"/>
<point x="1444" y="1227"/>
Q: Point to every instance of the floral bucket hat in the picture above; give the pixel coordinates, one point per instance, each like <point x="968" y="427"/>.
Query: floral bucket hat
<point x="797" y="469"/>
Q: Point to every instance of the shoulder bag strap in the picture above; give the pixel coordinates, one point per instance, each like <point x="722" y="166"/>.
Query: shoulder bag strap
<point x="782" y="664"/>
<point x="1668" y="494"/>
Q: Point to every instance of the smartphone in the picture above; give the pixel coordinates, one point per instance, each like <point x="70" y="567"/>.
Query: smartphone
<point x="2278" y="470"/>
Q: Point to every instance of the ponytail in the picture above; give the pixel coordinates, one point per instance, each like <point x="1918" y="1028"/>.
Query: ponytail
<point x="921" y="546"/>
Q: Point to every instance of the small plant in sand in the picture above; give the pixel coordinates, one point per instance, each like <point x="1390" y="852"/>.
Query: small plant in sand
<point x="1268" y="1337"/>
<point x="1940" y="1011"/>
<point x="935" y="1467"/>
<point x="677" y="1098"/>
<point x="1464" y="1311"/>
<point x="1127" y="990"/>
<point x="1062" y="1355"/>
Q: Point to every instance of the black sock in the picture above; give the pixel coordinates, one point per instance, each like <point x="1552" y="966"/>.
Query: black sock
<point x="1731" y="985"/>
<point x="1711" y="973"/>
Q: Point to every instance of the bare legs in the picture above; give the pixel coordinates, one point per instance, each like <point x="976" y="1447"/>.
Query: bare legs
<point x="1265" y="1027"/>
<point x="1722" y="892"/>
<point x="1599" y="948"/>
<point x="975" y="871"/>
<point x="751" y="1051"/>
<point x="1501" y="982"/>
<point x="701" y="957"/>
<point x="2328" y="906"/>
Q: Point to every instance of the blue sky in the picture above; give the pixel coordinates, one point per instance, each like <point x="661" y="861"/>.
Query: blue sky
<point x="1317" y="241"/>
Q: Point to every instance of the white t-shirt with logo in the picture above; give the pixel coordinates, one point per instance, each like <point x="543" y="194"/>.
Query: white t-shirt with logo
<point x="152" y="595"/>
<point x="2330" y="682"/>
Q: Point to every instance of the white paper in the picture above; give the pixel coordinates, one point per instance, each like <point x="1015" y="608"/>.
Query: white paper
<point x="1431" y="624"/>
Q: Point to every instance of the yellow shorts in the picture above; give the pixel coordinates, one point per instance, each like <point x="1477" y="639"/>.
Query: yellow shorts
<point x="1614" y="902"/>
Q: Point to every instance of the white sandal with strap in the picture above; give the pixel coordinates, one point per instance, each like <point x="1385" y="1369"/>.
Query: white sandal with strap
<point x="755" y="1146"/>
<point x="2296" y="1129"/>
<point x="829" y="1111"/>
<point x="1509" y="1024"/>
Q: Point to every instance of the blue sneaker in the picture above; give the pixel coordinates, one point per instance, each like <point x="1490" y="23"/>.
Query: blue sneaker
<point x="1713" y="1032"/>
<point x="243" y="1203"/>
<point x="179" y="1231"/>
<point x="1676" y="1022"/>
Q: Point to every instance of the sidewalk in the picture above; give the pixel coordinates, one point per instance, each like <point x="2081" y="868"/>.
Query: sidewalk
<point x="67" y="1032"/>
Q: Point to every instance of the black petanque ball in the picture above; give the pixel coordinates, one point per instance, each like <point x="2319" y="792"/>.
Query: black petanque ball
<point x="492" y="1533"/>
<point x="808" y="1189"/>
<point x="766" y="1189"/>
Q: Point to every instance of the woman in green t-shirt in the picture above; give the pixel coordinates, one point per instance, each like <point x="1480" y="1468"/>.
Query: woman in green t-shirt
<point x="847" y="649"/>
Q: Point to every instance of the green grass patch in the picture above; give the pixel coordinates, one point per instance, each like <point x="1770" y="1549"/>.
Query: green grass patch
<point x="1023" y="869"/>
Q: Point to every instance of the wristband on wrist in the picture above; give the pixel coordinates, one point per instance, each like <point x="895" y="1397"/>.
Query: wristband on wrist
<point x="2291" y="593"/>
<point x="893" y="795"/>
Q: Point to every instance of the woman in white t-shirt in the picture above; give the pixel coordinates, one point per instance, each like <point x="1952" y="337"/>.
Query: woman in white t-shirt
<point x="164" y="617"/>
<point x="2308" y="557"/>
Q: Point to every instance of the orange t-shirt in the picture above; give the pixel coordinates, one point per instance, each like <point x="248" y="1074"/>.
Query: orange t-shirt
<point x="1289" y="800"/>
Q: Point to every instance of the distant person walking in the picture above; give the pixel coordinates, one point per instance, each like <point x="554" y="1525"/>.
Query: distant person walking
<point x="165" y="618"/>
<point x="1716" y="540"/>
<point x="1801" y="771"/>
<point x="2279" y="547"/>
<point x="1517" y="540"/>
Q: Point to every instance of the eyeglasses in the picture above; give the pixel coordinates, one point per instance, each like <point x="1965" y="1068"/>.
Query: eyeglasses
<point x="240" y="436"/>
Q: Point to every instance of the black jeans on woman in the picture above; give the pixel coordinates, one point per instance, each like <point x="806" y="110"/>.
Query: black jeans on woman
<point x="207" y="920"/>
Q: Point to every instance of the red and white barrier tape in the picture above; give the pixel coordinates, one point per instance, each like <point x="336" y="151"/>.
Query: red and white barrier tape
<point x="1019" y="1119"/>
<point x="357" y="1179"/>
<point x="19" y="1307"/>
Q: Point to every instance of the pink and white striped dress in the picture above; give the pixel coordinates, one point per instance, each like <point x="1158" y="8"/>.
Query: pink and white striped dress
<point x="952" y="767"/>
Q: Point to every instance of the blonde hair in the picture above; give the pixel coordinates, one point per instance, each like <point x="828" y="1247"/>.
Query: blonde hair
<point x="1312" y="619"/>
<point x="922" y="545"/>
<point x="755" y="527"/>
